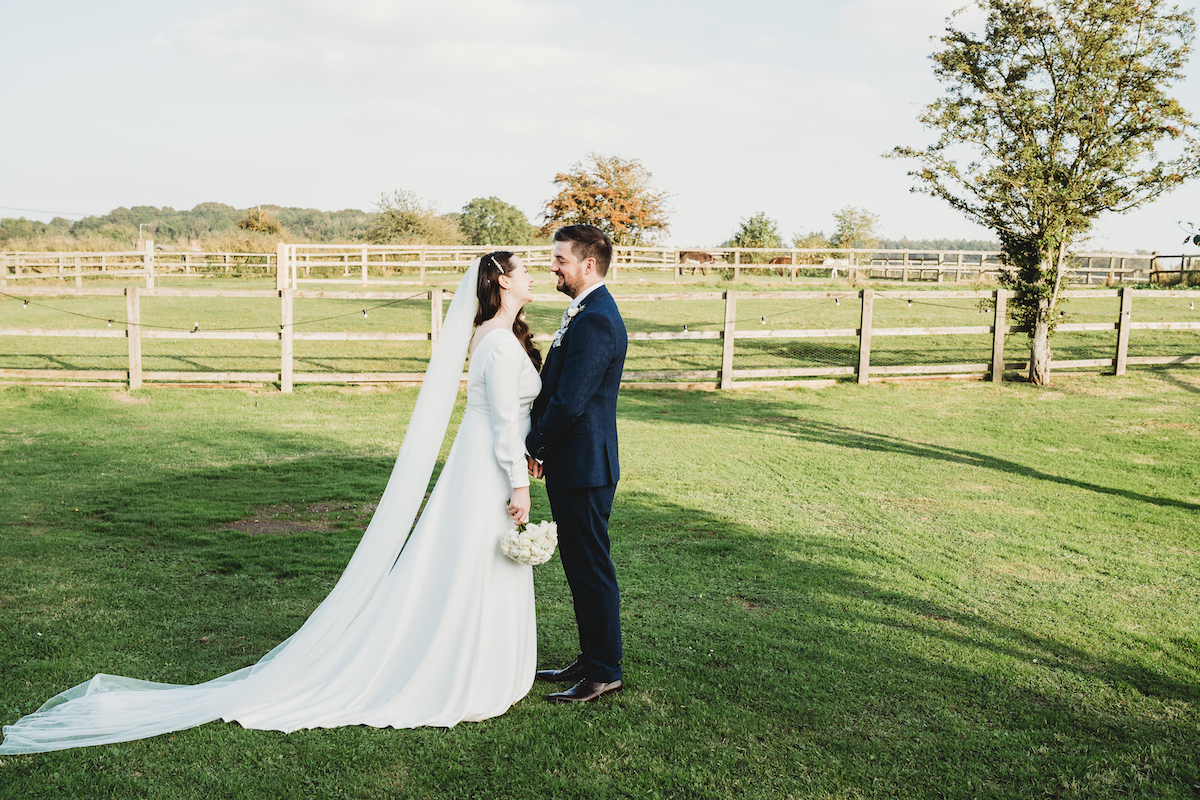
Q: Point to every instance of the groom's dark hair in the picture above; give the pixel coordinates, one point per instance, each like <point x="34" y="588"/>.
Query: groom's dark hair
<point x="588" y="241"/>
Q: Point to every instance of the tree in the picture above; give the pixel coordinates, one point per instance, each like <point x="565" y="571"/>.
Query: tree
<point x="1061" y="105"/>
<point x="613" y="194"/>
<point x="758" y="230"/>
<point x="404" y="218"/>
<point x="856" y="227"/>
<point x="259" y="221"/>
<point x="490" y="220"/>
<point x="809" y="241"/>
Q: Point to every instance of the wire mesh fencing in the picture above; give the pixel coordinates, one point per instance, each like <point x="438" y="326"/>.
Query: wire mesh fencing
<point x="1166" y="326"/>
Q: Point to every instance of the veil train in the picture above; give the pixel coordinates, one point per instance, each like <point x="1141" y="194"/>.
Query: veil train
<point x="109" y="708"/>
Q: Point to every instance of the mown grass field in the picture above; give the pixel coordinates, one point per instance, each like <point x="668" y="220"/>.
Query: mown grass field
<point x="901" y="590"/>
<point x="252" y="314"/>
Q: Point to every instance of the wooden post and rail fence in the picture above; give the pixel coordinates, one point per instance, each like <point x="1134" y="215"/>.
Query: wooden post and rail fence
<point x="728" y="376"/>
<point x="294" y="265"/>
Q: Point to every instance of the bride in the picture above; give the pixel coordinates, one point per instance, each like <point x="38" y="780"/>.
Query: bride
<point x="432" y="627"/>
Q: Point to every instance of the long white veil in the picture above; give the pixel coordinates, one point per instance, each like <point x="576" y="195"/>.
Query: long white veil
<point x="110" y="709"/>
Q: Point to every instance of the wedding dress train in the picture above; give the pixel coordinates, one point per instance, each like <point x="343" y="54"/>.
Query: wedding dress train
<point x="432" y="630"/>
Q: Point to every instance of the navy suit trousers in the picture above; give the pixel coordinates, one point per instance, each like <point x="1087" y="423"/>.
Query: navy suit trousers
<point x="583" y="544"/>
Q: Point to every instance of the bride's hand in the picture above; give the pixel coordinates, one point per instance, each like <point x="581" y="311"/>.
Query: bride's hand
<point x="518" y="505"/>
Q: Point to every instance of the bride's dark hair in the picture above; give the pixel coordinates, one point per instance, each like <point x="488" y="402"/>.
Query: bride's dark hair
<point x="491" y="267"/>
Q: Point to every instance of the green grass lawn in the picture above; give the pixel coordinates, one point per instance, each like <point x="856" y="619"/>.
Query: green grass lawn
<point x="900" y="590"/>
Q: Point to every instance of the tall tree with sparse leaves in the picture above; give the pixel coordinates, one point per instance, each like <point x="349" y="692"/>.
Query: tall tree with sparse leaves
<point x="1051" y="117"/>
<point x="404" y="218"/>
<point x="612" y="193"/>
<point x="856" y="228"/>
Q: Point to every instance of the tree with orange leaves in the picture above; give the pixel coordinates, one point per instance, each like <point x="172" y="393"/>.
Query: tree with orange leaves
<point x="612" y="193"/>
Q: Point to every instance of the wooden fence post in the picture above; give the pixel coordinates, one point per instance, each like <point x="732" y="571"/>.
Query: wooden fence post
<point x="281" y="272"/>
<point x="999" y="324"/>
<point x="364" y="266"/>
<point x="286" y="350"/>
<point x="864" y="335"/>
<point x="3" y="272"/>
<point x="727" y="344"/>
<point x="435" y="318"/>
<point x="148" y="261"/>
<point x="133" y="332"/>
<point x="78" y="272"/>
<point x="1123" y="330"/>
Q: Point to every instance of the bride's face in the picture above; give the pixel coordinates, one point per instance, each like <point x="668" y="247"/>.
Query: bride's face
<point x="520" y="282"/>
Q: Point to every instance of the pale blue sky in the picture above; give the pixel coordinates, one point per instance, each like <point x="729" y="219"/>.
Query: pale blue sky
<point x="736" y="108"/>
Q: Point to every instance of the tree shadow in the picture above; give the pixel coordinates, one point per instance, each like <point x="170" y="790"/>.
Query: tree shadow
<point x="746" y="415"/>
<point x="738" y="638"/>
<point x="1171" y="377"/>
<point x="805" y="632"/>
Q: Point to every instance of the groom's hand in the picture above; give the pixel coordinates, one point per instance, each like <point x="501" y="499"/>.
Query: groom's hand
<point x="536" y="470"/>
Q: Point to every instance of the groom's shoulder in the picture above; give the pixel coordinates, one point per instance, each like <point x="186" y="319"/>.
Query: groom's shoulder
<point x="604" y="301"/>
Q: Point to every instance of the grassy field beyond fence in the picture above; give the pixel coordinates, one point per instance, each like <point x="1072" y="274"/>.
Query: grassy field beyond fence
<point x="903" y="590"/>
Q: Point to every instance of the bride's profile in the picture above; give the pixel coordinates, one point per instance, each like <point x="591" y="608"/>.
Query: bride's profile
<point x="429" y="624"/>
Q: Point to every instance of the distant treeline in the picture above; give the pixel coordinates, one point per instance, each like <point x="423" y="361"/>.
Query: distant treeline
<point x="939" y="245"/>
<point x="217" y="226"/>
<point x="168" y="226"/>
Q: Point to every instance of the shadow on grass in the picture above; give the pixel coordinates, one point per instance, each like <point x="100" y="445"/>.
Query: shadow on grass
<point x="746" y="415"/>
<point x="760" y="662"/>
<point x="796" y="637"/>
<point x="1172" y="377"/>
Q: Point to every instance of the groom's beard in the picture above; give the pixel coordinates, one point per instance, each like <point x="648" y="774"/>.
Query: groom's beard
<point x="567" y="288"/>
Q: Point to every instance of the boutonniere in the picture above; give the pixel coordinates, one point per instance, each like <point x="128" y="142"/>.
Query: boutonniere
<point x="571" y="312"/>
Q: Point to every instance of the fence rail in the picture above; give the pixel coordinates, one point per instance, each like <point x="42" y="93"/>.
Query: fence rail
<point x="294" y="265"/>
<point x="725" y="341"/>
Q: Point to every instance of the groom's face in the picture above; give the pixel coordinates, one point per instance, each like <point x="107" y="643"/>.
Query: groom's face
<point x="573" y="276"/>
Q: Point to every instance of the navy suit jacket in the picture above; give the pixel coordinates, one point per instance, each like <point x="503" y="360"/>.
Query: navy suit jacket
<point x="574" y="418"/>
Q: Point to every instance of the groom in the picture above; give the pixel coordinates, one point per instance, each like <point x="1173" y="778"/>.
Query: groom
<point x="573" y="444"/>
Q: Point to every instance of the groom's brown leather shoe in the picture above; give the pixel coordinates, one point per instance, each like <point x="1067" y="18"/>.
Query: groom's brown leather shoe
<point x="566" y="675"/>
<point x="584" y="691"/>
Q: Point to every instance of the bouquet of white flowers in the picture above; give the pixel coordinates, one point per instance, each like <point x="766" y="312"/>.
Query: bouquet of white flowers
<point x="530" y="543"/>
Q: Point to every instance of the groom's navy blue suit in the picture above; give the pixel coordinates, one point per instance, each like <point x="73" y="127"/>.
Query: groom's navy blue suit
<point x="574" y="435"/>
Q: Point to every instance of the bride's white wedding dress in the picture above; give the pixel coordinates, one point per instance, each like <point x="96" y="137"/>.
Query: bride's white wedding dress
<point x="434" y="630"/>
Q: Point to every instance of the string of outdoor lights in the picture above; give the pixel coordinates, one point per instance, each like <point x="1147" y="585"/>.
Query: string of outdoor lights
<point x="365" y="312"/>
<point x="26" y="303"/>
<point x="762" y="319"/>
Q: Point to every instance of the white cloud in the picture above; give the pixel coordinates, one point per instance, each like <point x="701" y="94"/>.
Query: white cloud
<point x="487" y="59"/>
<point x="905" y="24"/>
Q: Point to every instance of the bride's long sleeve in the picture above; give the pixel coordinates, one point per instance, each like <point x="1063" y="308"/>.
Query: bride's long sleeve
<point x="502" y="375"/>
